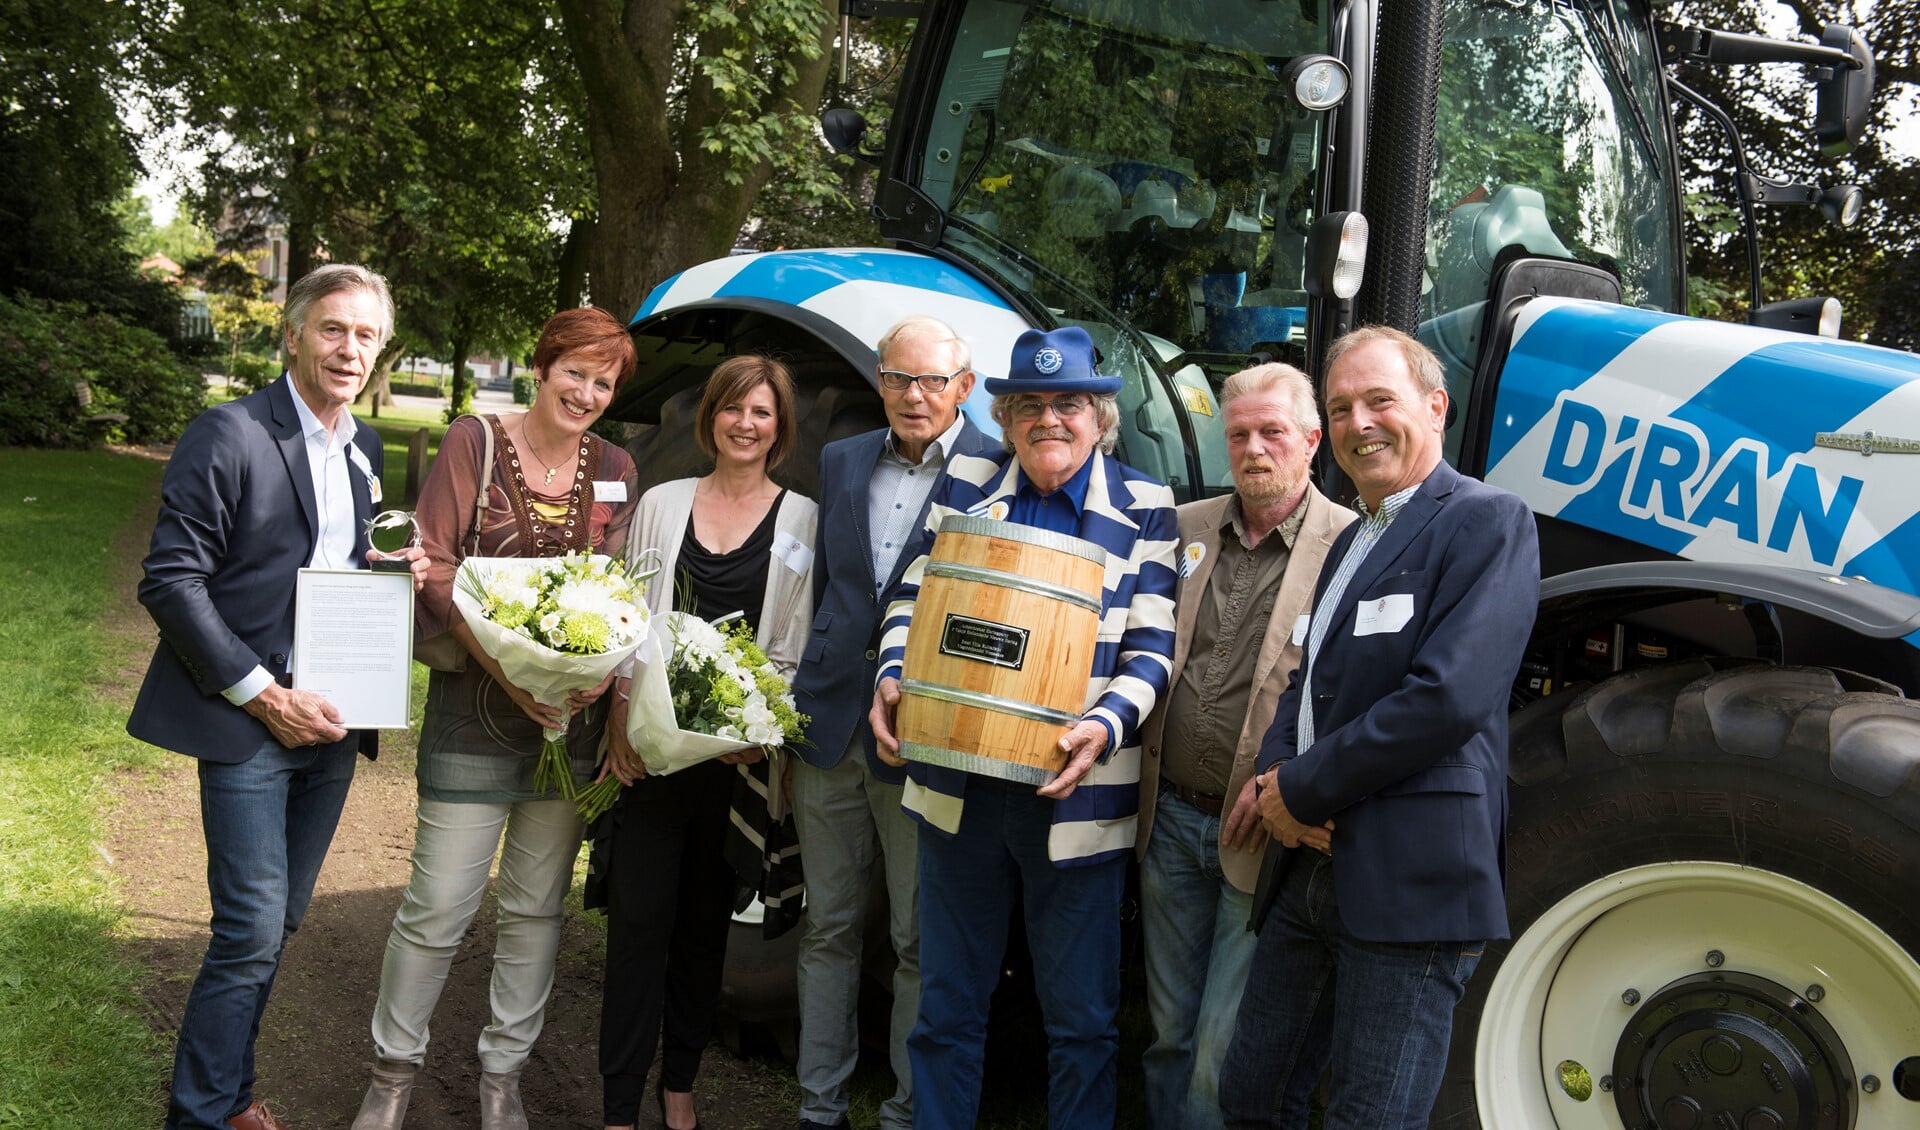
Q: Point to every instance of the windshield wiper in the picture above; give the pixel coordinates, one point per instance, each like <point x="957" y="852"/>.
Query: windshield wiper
<point x="1613" y="53"/>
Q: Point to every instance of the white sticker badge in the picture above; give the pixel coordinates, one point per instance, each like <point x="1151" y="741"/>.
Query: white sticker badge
<point x="614" y="490"/>
<point x="1389" y="613"/>
<point x="1300" y="629"/>
<point x="359" y="459"/>
<point x="795" y="554"/>
<point x="1190" y="558"/>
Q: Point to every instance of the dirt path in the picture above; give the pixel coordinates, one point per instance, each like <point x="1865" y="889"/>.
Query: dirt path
<point x="314" y="1051"/>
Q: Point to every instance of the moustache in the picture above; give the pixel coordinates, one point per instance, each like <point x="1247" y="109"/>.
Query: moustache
<point x="1038" y="434"/>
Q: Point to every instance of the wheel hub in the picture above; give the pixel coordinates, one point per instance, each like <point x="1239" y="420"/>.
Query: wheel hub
<point x="1716" y="1050"/>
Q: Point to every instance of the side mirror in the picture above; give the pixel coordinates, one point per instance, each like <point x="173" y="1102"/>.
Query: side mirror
<point x="846" y="132"/>
<point x="1818" y="316"/>
<point x="1840" y="103"/>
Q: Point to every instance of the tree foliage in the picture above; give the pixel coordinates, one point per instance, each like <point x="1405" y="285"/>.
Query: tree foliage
<point x="690" y="107"/>
<point x="436" y="141"/>
<point x="818" y="198"/>
<point x="179" y="239"/>
<point x="46" y="348"/>
<point x="67" y="161"/>
<point x="1867" y="266"/>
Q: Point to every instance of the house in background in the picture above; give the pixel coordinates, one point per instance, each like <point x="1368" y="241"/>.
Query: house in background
<point x="196" y="323"/>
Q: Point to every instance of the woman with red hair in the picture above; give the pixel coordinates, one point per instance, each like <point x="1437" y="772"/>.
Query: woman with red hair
<point x="552" y="487"/>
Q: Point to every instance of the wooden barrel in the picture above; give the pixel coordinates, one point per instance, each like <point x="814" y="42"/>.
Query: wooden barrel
<point x="1001" y="648"/>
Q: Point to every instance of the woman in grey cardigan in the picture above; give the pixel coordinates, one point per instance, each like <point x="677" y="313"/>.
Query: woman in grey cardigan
<point x="730" y="541"/>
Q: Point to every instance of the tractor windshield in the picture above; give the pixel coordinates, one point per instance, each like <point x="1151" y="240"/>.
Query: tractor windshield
<point x="1142" y="161"/>
<point x="1137" y="165"/>
<point x="1550" y="135"/>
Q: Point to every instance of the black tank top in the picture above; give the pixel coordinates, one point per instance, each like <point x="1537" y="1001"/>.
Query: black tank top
<point x="727" y="582"/>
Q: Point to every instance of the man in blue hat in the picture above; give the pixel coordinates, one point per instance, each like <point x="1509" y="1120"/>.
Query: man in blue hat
<point x="1061" y="850"/>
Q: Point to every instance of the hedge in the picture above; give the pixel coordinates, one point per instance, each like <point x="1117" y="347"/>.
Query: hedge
<point x="46" y="348"/>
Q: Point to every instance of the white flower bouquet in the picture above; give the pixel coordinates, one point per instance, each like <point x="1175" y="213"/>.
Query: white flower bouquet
<point x="555" y="625"/>
<point x="717" y="693"/>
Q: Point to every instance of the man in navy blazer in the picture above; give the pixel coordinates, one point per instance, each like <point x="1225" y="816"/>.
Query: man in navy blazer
<point x="874" y="490"/>
<point x="255" y="490"/>
<point x="1387" y="763"/>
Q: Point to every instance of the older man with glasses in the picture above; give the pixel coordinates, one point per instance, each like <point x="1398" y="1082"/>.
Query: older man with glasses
<point x="874" y="491"/>
<point x="1059" y="853"/>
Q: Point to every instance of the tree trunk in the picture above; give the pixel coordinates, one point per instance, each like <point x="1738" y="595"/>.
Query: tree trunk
<point x="303" y="239"/>
<point x="459" y="386"/>
<point x="573" y="265"/>
<point x="378" y="392"/>
<point x="661" y="213"/>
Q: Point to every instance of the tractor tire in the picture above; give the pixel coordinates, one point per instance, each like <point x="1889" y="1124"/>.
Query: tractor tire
<point x="1713" y="877"/>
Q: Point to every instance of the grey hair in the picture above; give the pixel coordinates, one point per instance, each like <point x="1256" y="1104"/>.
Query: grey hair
<point x="331" y="279"/>
<point x="1106" y="410"/>
<point x="1421" y="362"/>
<point x="924" y="327"/>
<point x="1275" y="376"/>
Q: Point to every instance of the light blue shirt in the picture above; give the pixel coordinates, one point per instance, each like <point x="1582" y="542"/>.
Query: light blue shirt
<point x="331" y="460"/>
<point x="1373" y="527"/>
<point x="896" y="494"/>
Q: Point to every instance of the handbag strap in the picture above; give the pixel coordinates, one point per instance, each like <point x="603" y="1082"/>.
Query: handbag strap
<point x="472" y="544"/>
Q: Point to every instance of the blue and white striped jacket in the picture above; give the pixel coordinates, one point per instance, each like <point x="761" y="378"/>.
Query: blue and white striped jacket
<point x="1130" y="516"/>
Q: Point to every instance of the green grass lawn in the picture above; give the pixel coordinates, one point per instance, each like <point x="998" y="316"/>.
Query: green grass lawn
<point x="396" y="427"/>
<point x="73" y="1049"/>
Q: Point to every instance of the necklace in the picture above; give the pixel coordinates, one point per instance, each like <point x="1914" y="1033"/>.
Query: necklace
<point x="527" y="434"/>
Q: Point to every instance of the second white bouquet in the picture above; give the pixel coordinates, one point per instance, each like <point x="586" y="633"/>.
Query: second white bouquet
<point x="716" y="693"/>
<point x="555" y="625"/>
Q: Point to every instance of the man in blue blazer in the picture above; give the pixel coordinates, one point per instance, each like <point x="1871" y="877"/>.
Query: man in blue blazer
<point x="257" y="489"/>
<point x="1387" y="763"/>
<point x="874" y="490"/>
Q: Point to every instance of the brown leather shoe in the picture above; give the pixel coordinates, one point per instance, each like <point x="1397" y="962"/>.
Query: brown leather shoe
<point x="256" y="1117"/>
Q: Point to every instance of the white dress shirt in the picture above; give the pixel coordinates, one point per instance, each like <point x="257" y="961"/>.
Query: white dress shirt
<point x="331" y="460"/>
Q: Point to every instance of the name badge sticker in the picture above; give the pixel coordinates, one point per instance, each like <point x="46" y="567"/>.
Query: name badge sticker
<point x="1388" y="614"/>
<point x="1300" y="629"/>
<point x="790" y="551"/>
<point x="1190" y="558"/>
<point x="609" y="490"/>
<point x="359" y="459"/>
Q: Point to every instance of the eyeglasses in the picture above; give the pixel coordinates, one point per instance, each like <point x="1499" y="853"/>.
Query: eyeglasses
<point x="894" y="380"/>
<point x="1065" y="407"/>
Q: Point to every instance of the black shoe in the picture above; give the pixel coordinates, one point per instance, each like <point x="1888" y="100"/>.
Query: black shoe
<point x="843" y="1124"/>
<point x="660" y="1098"/>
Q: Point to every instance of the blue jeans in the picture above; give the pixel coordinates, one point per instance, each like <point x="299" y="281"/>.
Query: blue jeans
<point x="968" y="885"/>
<point x="1198" y="948"/>
<point x="1379" y="1015"/>
<point x="850" y="822"/>
<point x="268" y="821"/>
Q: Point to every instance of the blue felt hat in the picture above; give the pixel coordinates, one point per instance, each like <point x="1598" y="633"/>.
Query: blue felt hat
<point x="1059" y="360"/>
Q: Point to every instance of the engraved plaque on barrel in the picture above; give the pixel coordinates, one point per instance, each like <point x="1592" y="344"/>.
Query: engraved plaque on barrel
<point x="1001" y="648"/>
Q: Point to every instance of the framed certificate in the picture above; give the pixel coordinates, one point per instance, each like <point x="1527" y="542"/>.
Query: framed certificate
<point x="353" y="644"/>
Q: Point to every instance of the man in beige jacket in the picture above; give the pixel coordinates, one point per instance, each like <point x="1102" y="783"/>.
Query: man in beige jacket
<point x="1248" y="563"/>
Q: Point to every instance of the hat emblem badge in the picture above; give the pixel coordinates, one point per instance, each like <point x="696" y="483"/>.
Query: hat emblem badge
<point x="1048" y="361"/>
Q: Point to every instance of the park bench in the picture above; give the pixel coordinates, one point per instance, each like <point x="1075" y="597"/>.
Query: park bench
<point x="94" y="423"/>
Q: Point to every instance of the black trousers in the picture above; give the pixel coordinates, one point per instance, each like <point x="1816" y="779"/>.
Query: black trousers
<point x="669" y="906"/>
